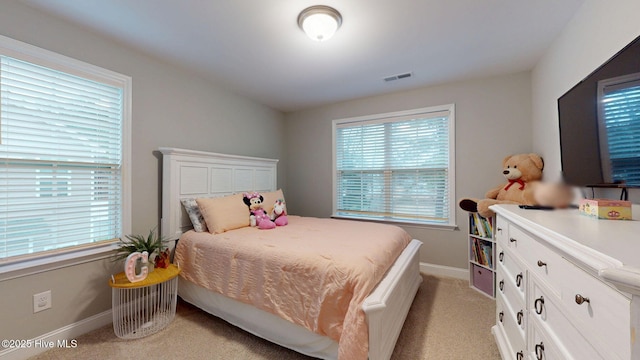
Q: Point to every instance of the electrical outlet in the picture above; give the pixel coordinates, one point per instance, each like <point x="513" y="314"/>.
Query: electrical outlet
<point x="42" y="301"/>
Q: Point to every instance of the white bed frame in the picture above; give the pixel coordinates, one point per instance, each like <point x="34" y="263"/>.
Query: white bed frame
<point x="197" y="174"/>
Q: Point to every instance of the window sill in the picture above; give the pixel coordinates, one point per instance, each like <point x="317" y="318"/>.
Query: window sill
<point x="400" y="223"/>
<point x="58" y="260"/>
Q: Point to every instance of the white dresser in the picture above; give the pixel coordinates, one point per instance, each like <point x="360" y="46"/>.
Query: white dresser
<point x="567" y="286"/>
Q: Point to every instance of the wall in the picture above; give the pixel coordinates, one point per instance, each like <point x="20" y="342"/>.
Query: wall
<point x="171" y="107"/>
<point x="493" y="119"/>
<point x="596" y="33"/>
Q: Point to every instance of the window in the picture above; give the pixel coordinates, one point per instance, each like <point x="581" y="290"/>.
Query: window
<point x="396" y="167"/>
<point x="619" y="127"/>
<point x="64" y="130"/>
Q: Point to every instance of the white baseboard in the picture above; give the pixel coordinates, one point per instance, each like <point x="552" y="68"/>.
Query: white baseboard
<point x="441" y="270"/>
<point x="63" y="337"/>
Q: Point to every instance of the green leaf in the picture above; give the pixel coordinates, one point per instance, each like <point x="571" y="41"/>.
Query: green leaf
<point x="138" y="243"/>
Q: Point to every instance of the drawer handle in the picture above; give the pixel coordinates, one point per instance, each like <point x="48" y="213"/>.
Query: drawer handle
<point x="539" y="305"/>
<point x="581" y="299"/>
<point x="513" y="240"/>
<point x="519" y="279"/>
<point x="519" y="355"/>
<point x="499" y="229"/>
<point x="519" y="316"/>
<point x="500" y="315"/>
<point x="541" y="263"/>
<point x="501" y="285"/>
<point x="540" y="351"/>
<point x="501" y="256"/>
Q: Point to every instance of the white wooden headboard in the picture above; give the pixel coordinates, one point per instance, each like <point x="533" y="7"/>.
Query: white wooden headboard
<point x="199" y="174"/>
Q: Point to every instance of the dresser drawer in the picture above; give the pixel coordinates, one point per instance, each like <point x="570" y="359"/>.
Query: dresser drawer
<point x="511" y="271"/>
<point x="546" y="312"/>
<point x="517" y="314"/>
<point x="539" y="259"/>
<point x="542" y="347"/>
<point x="514" y="333"/>
<point x="598" y="310"/>
<point x="516" y="306"/>
<point x="502" y="231"/>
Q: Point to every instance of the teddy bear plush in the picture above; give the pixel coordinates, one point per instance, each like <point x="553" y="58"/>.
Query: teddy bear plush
<point x="257" y="215"/>
<point x="279" y="213"/>
<point x="523" y="173"/>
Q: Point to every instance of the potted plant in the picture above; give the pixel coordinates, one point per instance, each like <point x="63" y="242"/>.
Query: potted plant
<point x="152" y="244"/>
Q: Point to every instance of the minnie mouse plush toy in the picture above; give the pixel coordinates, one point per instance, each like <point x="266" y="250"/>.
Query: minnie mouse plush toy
<point x="257" y="215"/>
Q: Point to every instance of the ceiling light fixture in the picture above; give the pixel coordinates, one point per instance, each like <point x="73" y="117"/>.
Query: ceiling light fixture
<point x="319" y="22"/>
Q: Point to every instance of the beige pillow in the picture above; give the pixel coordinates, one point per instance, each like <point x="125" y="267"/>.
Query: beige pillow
<point x="270" y="199"/>
<point x="224" y="213"/>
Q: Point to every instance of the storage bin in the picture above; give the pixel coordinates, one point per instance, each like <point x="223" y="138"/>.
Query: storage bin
<point x="483" y="279"/>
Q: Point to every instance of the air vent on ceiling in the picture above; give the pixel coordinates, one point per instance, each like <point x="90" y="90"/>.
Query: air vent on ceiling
<point x="398" y="77"/>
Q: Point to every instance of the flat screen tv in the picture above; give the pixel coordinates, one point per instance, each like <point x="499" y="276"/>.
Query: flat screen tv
<point x="600" y="124"/>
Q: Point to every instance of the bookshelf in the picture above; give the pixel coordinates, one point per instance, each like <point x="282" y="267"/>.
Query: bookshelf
<point x="482" y="254"/>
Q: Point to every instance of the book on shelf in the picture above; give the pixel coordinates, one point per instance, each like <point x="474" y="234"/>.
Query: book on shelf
<point x="487" y="253"/>
<point x="479" y="227"/>
<point x="489" y="223"/>
<point x="480" y="259"/>
<point x="482" y="252"/>
<point x="474" y="252"/>
<point x="473" y="229"/>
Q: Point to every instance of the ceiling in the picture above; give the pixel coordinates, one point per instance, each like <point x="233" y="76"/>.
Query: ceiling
<point x="255" y="48"/>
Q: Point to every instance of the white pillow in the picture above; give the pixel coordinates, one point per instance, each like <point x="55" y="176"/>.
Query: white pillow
<point x="192" y="209"/>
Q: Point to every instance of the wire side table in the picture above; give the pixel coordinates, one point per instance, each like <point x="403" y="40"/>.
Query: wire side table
<point x="146" y="307"/>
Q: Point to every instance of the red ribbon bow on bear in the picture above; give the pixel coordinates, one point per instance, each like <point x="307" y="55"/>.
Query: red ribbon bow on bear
<point x="519" y="181"/>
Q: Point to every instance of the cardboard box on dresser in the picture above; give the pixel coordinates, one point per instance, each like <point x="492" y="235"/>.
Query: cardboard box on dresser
<point x="606" y="209"/>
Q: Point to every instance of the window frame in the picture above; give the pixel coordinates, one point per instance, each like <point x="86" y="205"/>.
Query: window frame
<point x="606" y="87"/>
<point x="45" y="261"/>
<point x="450" y="108"/>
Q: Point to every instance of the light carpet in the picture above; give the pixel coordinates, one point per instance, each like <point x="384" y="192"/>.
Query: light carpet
<point x="447" y="320"/>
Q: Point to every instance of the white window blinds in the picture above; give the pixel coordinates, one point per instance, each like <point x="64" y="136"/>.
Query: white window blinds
<point x="396" y="167"/>
<point x="619" y="126"/>
<point x="61" y="153"/>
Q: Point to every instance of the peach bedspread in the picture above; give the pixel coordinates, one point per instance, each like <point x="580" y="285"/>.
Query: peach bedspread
<point x="313" y="272"/>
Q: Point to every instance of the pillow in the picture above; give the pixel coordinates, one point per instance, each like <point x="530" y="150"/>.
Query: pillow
<point x="224" y="213"/>
<point x="270" y="199"/>
<point x="191" y="206"/>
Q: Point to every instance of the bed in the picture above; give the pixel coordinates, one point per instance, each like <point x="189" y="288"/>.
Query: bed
<point x="390" y="290"/>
